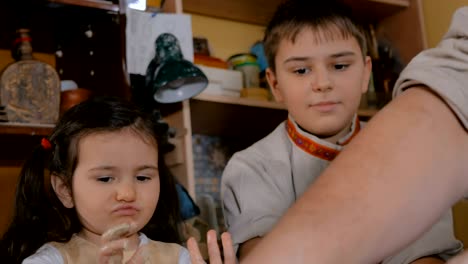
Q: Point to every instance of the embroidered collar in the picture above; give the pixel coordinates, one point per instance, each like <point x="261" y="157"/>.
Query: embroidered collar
<point x="307" y="143"/>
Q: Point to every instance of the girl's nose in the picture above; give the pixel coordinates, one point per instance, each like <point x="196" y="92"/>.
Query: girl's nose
<point x="126" y="192"/>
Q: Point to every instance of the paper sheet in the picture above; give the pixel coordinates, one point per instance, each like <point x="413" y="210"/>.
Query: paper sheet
<point x="142" y="30"/>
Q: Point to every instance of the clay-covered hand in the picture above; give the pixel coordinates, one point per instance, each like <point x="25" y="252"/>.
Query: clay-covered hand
<point x="115" y="241"/>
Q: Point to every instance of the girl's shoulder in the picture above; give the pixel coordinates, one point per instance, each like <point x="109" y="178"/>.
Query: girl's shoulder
<point x="47" y="254"/>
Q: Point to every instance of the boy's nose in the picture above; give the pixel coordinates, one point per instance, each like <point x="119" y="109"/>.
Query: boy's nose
<point x="322" y="81"/>
<point x="126" y="192"/>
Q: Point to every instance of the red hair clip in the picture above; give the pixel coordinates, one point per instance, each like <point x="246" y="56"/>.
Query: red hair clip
<point x="45" y="143"/>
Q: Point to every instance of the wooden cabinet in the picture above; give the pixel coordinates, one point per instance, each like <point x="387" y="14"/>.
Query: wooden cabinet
<point x="400" y="21"/>
<point x="84" y="38"/>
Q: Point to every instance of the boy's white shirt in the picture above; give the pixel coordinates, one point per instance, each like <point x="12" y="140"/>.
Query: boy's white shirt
<point x="274" y="172"/>
<point x="48" y="254"/>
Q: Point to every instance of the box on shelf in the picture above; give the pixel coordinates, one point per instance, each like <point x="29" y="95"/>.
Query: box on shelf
<point x="230" y="80"/>
<point x="215" y="88"/>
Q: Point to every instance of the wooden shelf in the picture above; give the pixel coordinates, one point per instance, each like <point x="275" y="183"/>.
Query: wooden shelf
<point x="263" y="104"/>
<point x="19" y="139"/>
<point x="98" y="4"/>
<point x="260" y="11"/>
<point x="25" y="129"/>
<point x="239" y="101"/>
<point x="234" y="117"/>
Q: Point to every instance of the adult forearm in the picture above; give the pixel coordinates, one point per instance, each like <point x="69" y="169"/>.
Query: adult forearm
<point x="389" y="185"/>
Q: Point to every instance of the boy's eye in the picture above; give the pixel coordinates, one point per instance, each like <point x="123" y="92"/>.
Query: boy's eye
<point x="104" y="179"/>
<point x="301" y="71"/>
<point x="341" y="67"/>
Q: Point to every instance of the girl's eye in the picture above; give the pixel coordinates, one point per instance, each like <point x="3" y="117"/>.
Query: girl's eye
<point x="143" y="178"/>
<point x="301" y="71"/>
<point x="341" y="67"/>
<point x="104" y="179"/>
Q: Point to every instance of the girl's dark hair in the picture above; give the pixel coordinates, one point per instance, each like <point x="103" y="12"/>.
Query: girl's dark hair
<point x="39" y="216"/>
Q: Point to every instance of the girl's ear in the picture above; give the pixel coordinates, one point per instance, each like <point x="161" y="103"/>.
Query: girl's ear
<point x="62" y="191"/>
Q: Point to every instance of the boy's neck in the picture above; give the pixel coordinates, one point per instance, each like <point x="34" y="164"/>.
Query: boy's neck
<point x="334" y="138"/>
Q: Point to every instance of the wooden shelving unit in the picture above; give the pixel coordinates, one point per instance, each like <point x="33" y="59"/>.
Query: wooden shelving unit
<point x="98" y="4"/>
<point x="234" y="117"/>
<point x="242" y="120"/>
<point x="238" y="101"/>
<point x="25" y="129"/>
<point x="260" y="11"/>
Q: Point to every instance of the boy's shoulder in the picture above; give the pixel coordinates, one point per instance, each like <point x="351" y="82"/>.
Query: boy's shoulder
<point x="264" y="164"/>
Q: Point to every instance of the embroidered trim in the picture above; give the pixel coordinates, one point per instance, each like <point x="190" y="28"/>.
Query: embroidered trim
<point x="313" y="148"/>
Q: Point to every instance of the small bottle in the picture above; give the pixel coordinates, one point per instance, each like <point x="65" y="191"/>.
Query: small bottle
<point x="29" y="88"/>
<point x="22" y="48"/>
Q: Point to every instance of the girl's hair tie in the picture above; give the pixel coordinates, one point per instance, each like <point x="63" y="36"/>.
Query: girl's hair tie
<point x="45" y="143"/>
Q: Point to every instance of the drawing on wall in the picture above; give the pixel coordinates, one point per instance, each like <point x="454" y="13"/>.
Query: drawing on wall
<point x="142" y="30"/>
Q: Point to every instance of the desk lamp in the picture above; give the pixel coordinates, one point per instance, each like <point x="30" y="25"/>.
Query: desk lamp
<point x="171" y="79"/>
<point x="169" y="76"/>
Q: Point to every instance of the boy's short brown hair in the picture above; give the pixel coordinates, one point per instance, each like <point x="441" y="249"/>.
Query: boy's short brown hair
<point x="328" y="17"/>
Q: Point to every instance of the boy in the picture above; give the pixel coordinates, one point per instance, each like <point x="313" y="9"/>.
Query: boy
<point x="429" y="119"/>
<point x="319" y="70"/>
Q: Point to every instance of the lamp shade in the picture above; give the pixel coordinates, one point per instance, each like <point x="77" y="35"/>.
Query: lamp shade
<point x="177" y="80"/>
<point x="171" y="77"/>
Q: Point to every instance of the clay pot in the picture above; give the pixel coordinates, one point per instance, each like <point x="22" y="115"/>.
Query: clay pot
<point x="73" y="97"/>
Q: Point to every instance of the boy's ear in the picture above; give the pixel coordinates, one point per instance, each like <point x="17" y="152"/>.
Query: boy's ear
<point x="62" y="191"/>
<point x="367" y="74"/>
<point x="273" y="82"/>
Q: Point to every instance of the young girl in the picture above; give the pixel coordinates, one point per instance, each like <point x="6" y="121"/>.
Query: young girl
<point x="96" y="191"/>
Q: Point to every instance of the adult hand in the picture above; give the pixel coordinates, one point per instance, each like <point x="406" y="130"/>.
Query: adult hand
<point x="213" y="249"/>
